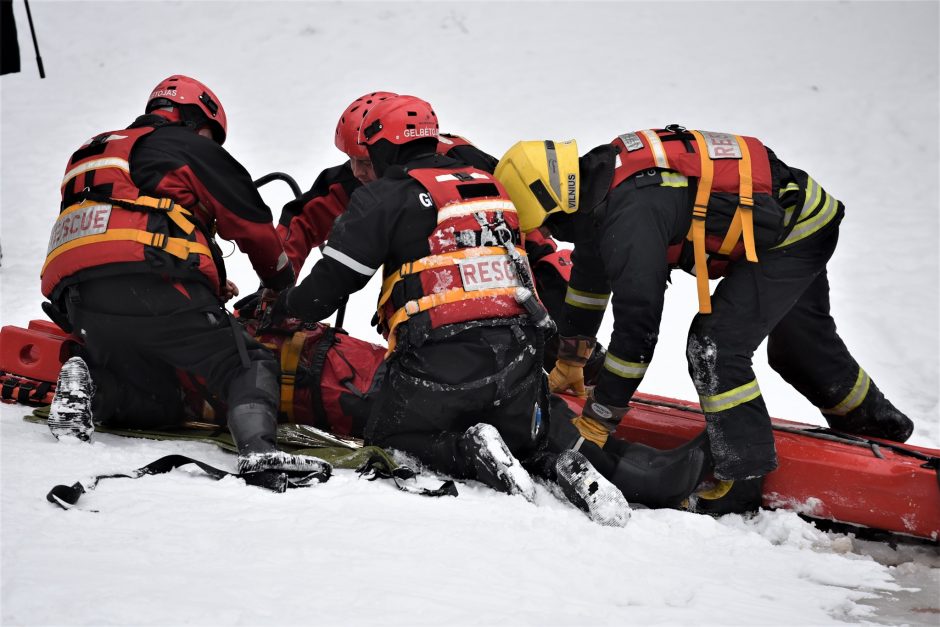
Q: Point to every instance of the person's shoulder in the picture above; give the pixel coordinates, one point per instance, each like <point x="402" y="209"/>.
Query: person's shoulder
<point x="337" y="175"/>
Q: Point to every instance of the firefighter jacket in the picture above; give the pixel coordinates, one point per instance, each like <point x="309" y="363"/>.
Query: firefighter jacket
<point x="306" y="221"/>
<point x="446" y="235"/>
<point x="638" y="217"/>
<point x="150" y="198"/>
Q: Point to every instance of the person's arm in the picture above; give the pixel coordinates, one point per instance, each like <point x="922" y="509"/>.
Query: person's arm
<point x="306" y="222"/>
<point x="356" y="250"/>
<point x="203" y="177"/>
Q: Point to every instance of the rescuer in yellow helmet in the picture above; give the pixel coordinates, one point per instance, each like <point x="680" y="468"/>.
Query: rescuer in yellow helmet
<point x="714" y="204"/>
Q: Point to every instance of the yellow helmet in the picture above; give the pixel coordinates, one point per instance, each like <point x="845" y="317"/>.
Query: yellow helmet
<point x="542" y="177"/>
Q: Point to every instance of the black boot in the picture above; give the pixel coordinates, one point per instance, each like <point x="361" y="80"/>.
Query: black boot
<point x="484" y="450"/>
<point x="70" y="414"/>
<point x="260" y="463"/>
<point x="743" y="497"/>
<point x="658" y="478"/>
<point x="876" y="417"/>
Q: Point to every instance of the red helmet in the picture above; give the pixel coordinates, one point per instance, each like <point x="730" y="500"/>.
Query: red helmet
<point x="347" y="129"/>
<point x="186" y="92"/>
<point x="399" y="120"/>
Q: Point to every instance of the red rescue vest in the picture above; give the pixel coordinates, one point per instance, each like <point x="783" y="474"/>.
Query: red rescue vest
<point x="105" y="219"/>
<point x="469" y="274"/>
<point x="722" y="163"/>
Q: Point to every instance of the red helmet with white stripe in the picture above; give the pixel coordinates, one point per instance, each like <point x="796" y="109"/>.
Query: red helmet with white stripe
<point x="347" y="129"/>
<point x="399" y="120"/>
<point x="196" y="102"/>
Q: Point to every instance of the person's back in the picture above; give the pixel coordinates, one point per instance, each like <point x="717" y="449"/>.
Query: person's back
<point x="133" y="269"/>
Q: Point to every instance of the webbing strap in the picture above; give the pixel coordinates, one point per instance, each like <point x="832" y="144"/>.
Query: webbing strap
<point x="697" y="230"/>
<point x="414" y="307"/>
<point x="435" y="261"/>
<point x="743" y="222"/>
<point x="746" y="200"/>
<point x="171" y="209"/>
<point x="290" y="359"/>
<point x="176" y="246"/>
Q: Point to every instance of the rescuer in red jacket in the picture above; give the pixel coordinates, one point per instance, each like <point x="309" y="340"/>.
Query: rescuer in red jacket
<point x="463" y="389"/>
<point x="133" y="269"/>
<point x="726" y="206"/>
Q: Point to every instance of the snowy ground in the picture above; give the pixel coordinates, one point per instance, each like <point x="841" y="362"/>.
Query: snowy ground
<point x="847" y="91"/>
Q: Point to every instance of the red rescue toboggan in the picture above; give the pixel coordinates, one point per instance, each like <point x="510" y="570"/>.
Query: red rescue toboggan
<point x="822" y="474"/>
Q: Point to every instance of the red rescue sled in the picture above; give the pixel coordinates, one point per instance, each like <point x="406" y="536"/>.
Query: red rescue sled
<point x="822" y="474"/>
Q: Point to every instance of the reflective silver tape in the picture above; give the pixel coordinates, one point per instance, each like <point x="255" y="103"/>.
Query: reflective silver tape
<point x="659" y="152"/>
<point x="625" y="369"/>
<point x="553" y="177"/>
<point x="348" y="261"/>
<point x="97" y="164"/>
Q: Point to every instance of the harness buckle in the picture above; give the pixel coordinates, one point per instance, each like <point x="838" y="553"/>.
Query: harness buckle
<point x="412" y="308"/>
<point x="746" y="201"/>
<point x="699" y="212"/>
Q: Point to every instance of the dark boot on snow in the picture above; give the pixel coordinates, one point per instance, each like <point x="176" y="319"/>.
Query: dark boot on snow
<point x="743" y="496"/>
<point x="70" y="415"/>
<point x="876" y="417"/>
<point x="589" y="491"/>
<point x="485" y="451"/>
<point x="260" y="463"/>
<point x="658" y="478"/>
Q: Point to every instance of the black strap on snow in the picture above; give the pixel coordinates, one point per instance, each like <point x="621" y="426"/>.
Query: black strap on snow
<point x="67" y="496"/>
<point x="377" y="468"/>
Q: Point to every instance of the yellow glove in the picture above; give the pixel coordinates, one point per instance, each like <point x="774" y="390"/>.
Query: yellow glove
<point x="565" y="377"/>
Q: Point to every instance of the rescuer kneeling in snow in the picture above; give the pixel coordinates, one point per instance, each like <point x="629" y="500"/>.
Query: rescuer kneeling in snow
<point x="464" y="385"/>
<point x="714" y="204"/>
<point x="133" y="269"/>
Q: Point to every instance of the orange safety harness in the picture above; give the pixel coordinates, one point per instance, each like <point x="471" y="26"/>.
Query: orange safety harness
<point x="105" y="217"/>
<point x="473" y="205"/>
<point x="662" y="150"/>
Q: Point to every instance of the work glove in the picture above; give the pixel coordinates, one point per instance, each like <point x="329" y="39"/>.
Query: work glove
<point x="254" y="306"/>
<point x="273" y="308"/>
<point x="598" y="420"/>
<point x="249" y="307"/>
<point x="568" y="373"/>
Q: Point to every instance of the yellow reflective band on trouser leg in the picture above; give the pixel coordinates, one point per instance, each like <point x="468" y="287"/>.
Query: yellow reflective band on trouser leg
<point x="854" y="398"/>
<point x="730" y="399"/>
<point x="623" y="368"/>
<point x="590" y="430"/>
<point x="587" y="300"/>
<point x="290" y="358"/>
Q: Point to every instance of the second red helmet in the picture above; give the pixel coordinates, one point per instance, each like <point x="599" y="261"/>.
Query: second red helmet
<point x="399" y="120"/>
<point x="347" y="129"/>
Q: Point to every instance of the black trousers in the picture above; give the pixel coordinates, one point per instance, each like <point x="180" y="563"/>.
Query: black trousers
<point x="139" y="331"/>
<point x="785" y="298"/>
<point x="432" y="394"/>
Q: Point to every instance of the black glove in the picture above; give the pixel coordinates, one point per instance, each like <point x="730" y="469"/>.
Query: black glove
<point x="249" y="307"/>
<point x="274" y="309"/>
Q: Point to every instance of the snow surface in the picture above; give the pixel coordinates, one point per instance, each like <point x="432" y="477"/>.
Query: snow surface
<point x="847" y="91"/>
